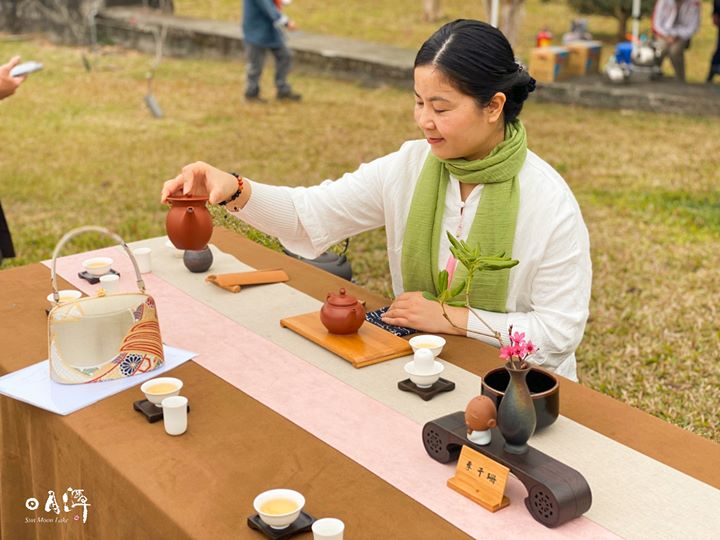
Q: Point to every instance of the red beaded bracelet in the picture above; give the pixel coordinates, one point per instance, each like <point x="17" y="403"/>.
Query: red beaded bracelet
<point x="236" y="194"/>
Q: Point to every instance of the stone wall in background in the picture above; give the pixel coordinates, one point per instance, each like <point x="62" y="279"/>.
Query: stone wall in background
<point x="67" y="21"/>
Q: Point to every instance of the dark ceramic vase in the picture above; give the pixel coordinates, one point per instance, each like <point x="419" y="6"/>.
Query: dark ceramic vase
<point x="516" y="415"/>
<point x="544" y="391"/>
<point x="198" y="261"/>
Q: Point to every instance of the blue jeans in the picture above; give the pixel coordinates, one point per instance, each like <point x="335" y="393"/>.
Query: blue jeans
<point x="255" y="56"/>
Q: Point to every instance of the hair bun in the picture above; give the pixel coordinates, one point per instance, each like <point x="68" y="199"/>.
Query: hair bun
<point x="532" y="83"/>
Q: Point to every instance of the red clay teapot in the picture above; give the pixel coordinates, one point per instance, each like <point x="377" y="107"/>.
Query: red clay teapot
<point x="189" y="223"/>
<point x="342" y="313"/>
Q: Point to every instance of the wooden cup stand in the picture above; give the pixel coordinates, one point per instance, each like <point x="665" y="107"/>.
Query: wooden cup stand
<point x="556" y="493"/>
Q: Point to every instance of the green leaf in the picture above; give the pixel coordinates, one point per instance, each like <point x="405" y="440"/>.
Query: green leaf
<point x="457" y="289"/>
<point x="443" y="280"/>
<point x="456" y="303"/>
<point x="429" y="296"/>
<point x="453" y="241"/>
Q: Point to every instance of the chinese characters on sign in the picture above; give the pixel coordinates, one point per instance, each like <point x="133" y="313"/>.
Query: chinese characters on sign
<point x="71" y="499"/>
<point x="480" y="479"/>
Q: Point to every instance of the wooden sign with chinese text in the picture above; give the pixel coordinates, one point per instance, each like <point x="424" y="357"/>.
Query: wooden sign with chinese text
<point x="480" y="479"/>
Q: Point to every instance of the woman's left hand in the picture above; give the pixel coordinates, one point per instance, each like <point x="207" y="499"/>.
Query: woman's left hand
<point x="413" y="310"/>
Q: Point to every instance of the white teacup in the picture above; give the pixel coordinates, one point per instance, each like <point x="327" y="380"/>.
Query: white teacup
<point x="328" y="529"/>
<point x="424" y="370"/>
<point x="175" y="414"/>
<point x="110" y="282"/>
<point x="159" y="388"/>
<point x="143" y="258"/>
<point x="175" y="252"/>
<point x="289" y="505"/>
<point x="97" y="266"/>
<point x="428" y="341"/>
<point x="66" y="295"/>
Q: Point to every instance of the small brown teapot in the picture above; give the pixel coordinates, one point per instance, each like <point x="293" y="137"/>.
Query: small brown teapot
<point x="189" y="223"/>
<point x="342" y="313"/>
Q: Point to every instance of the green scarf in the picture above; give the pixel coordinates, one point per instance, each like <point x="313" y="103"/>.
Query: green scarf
<point x="493" y="228"/>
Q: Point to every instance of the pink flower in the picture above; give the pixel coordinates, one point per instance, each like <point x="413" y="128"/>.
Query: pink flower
<point x="506" y="352"/>
<point x="530" y="347"/>
<point x="518" y="337"/>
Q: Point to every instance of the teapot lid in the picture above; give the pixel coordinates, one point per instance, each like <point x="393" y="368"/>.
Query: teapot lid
<point x="342" y="299"/>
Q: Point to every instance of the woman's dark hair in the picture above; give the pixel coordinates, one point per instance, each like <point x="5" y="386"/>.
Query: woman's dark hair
<point x="478" y="60"/>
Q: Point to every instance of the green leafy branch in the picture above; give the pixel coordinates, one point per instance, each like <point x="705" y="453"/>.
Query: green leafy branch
<point x="459" y="296"/>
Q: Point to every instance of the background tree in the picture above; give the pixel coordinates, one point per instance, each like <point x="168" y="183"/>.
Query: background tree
<point x="619" y="9"/>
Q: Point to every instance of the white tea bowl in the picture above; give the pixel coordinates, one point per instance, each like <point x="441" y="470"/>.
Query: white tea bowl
<point x="279" y="521"/>
<point x="97" y="266"/>
<point x="428" y="341"/>
<point x="156" y="397"/>
<point x="66" y="295"/>
<point x="422" y="378"/>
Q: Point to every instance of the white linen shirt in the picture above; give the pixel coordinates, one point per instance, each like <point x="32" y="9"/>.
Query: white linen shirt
<point x="548" y="291"/>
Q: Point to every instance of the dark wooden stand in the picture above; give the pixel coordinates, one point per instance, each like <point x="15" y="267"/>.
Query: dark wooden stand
<point x="556" y="492"/>
<point x="441" y="385"/>
<point x="301" y="525"/>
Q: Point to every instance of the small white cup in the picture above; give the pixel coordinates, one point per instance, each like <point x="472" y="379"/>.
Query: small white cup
<point x="143" y="258"/>
<point x="175" y="252"/>
<point x="328" y="529"/>
<point x="110" y="282"/>
<point x="175" y="414"/>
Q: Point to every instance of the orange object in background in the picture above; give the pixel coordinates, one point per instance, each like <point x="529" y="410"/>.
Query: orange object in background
<point x="544" y="38"/>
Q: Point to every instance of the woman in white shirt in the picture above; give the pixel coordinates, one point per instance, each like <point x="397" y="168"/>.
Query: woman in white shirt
<point x="471" y="175"/>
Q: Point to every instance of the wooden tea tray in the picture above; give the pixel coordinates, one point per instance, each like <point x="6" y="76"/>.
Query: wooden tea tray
<point x="370" y="345"/>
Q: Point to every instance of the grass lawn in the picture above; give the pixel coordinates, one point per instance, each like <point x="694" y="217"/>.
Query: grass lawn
<point x="399" y="22"/>
<point x="81" y="148"/>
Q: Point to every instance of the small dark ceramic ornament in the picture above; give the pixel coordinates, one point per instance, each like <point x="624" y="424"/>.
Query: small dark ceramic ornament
<point x="198" y="261"/>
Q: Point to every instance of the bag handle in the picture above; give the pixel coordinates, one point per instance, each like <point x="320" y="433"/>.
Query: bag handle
<point x="91" y="228"/>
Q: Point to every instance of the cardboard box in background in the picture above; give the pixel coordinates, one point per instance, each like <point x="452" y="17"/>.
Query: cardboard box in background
<point x="584" y="57"/>
<point x="549" y="64"/>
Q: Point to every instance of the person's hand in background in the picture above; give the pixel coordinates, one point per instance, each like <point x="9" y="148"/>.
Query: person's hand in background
<point x="9" y="84"/>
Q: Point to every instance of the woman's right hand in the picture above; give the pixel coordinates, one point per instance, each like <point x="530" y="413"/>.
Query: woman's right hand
<point x="201" y="180"/>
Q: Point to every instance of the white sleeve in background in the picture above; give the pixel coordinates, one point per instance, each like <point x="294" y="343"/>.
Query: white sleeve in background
<point x="559" y="298"/>
<point x="689" y="23"/>
<point x="663" y="17"/>
<point x="309" y="220"/>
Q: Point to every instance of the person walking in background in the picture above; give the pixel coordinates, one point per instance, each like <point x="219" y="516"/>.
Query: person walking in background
<point x="715" y="62"/>
<point x="8" y="85"/>
<point x="511" y="15"/>
<point x="431" y="10"/>
<point x="674" y="22"/>
<point x="262" y="28"/>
